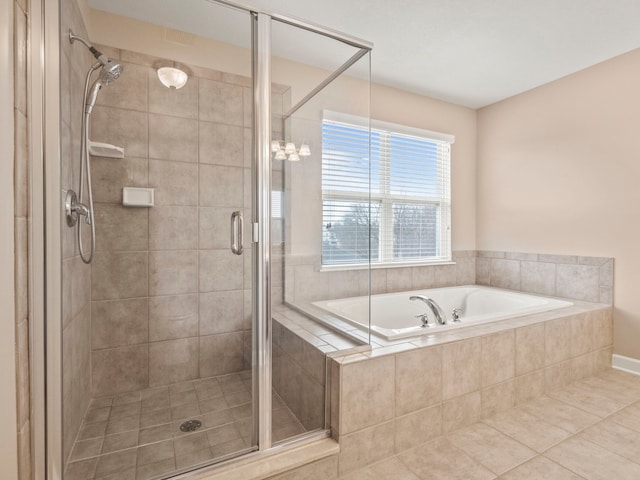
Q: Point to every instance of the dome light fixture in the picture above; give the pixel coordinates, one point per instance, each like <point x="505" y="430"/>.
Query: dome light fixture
<point x="172" y="75"/>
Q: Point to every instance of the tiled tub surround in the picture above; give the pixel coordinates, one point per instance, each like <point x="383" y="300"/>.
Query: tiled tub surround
<point x="136" y="435"/>
<point x="415" y="391"/>
<point x="589" y="279"/>
<point x="170" y="302"/>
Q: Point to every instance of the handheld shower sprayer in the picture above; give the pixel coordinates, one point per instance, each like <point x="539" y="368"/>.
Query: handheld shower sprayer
<point x="74" y="206"/>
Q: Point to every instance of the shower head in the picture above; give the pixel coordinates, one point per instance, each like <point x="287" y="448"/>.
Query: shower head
<point x="108" y="73"/>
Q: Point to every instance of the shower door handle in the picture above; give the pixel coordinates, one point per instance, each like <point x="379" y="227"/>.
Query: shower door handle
<point x="237" y="227"/>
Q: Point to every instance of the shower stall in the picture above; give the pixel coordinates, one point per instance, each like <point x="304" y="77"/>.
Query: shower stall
<point x="180" y="326"/>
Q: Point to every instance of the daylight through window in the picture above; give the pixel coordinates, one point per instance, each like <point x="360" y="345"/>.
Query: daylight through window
<point x="386" y="196"/>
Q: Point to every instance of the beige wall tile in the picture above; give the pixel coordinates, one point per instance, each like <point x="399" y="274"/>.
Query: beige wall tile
<point x="129" y="91"/>
<point x="505" y="273"/>
<point x="483" y="271"/>
<point x="498" y="357"/>
<point x="173" y="228"/>
<point x="175" y="183"/>
<point x="578" y="281"/>
<point x="124" y="128"/>
<point x="109" y="176"/>
<point x="529" y="386"/>
<point x="173" y="361"/>
<point x="173" y="272"/>
<point x="221" y="144"/>
<point x="166" y="101"/>
<point x="466" y="271"/>
<point x="221" y="312"/>
<point x="461" y="371"/>
<point x="498" y="398"/>
<point x="537" y="277"/>
<point x="116" y="323"/>
<point x="399" y="280"/>
<point x="311" y="403"/>
<point x="214" y="225"/>
<point x="120" y="229"/>
<point x="461" y="412"/>
<point x="418" y="379"/>
<point x="220" y="270"/>
<point x="221" y="186"/>
<point x="530" y="352"/>
<point x="418" y="427"/>
<point x="117" y="370"/>
<point x="558" y="375"/>
<point x="220" y="102"/>
<point x="602" y="329"/>
<point x="367" y="393"/>
<point x="557" y="340"/>
<point x="119" y="275"/>
<point x="365" y="447"/>
<point x="221" y="354"/>
<point x="422" y="277"/>
<point x="172" y="317"/>
<point x="173" y="138"/>
<point x="444" y="275"/>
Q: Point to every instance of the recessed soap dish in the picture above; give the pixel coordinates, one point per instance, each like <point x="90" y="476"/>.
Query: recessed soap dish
<point x="137" y="197"/>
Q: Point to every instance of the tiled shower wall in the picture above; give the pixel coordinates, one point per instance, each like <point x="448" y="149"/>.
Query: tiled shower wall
<point x="21" y="215"/>
<point x="75" y="60"/>
<point x="170" y="302"/>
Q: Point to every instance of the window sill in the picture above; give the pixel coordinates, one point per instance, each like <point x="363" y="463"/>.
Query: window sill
<point x="379" y="266"/>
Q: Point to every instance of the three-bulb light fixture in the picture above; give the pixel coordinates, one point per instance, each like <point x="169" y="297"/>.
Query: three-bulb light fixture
<point x="288" y="150"/>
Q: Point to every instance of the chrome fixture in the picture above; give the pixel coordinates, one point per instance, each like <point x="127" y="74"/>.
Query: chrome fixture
<point x="438" y="313"/>
<point x="237" y="233"/>
<point x="74" y="206"/>
<point x="455" y="315"/>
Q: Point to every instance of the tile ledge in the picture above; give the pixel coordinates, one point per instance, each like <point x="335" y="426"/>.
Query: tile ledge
<point x="258" y="465"/>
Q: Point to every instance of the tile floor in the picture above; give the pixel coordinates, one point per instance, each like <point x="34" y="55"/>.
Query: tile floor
<point x="136" y="435"/>
<point x="589" y="430"/>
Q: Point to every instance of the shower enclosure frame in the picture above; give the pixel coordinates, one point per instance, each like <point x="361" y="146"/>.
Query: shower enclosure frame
<point x="48" y="222"/>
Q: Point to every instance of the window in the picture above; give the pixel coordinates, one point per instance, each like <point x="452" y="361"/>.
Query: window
<point x="387" y="195"/>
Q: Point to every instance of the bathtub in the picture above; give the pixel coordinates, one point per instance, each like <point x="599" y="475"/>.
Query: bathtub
<point x="393" y="315"/>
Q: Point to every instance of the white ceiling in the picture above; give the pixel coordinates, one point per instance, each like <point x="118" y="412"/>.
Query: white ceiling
<point x="469" y="52"/>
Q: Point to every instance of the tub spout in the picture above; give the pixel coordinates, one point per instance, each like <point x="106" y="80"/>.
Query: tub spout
<point x="438" y="313"/>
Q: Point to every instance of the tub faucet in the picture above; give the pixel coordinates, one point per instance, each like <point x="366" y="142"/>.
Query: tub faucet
<point x="438" y="313"/>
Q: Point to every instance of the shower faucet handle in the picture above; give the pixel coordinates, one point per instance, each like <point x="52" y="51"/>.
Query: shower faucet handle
<point x="455" y="315"/>
<point x="74" y="209"/>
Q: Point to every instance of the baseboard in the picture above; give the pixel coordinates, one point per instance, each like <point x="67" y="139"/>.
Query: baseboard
<point x="626" y="364"/>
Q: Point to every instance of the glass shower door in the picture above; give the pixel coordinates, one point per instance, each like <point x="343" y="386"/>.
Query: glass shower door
<point x="157" y="329"/>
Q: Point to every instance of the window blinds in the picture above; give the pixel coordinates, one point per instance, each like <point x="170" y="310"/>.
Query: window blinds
<point x="385" y="196"/>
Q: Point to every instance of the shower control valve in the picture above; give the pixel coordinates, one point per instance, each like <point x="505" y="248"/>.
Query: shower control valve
<point x="73" y="209"/>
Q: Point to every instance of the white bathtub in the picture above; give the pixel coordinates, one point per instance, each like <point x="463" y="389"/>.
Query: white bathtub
<point x="393" y="315"/>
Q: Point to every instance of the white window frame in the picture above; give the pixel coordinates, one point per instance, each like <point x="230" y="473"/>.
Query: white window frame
<point x="386" y="200"/>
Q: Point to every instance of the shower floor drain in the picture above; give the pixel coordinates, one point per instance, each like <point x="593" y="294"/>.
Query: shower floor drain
<point x="191" y="425"/>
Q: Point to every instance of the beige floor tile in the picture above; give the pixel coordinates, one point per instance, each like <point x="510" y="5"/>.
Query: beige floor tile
<point x="151" y="470"/>
<point x="560" y="414"/>
<point x="440" y="460"/>
<point x="589" y="399"/>
<point x="391" y="468"/>
<point x="493" y="449"/>
<point x="540" y="468"/>
<point x="629" y="417"/>
<point x="615" y="438"/>
<point x="116" y="462"/>
<point x="592" y="461"/>
<point x="528" y="429"/>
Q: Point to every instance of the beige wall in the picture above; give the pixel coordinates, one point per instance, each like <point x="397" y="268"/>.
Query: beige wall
<point x="558" y="173"/>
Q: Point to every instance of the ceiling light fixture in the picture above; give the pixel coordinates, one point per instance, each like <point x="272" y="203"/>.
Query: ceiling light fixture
<point x="173" y="75"/>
